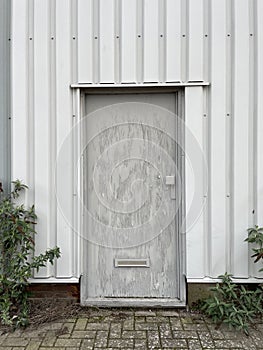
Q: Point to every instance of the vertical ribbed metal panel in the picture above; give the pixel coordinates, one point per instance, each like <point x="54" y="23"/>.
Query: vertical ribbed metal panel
<point x="240" y="134"/>
<point x="194" y="173"/>
<point x="57" y="43"/>
<point x="5" y="11"/>
<point x="258" y="112"/>
<point x="218" y="191"/>
<point x="43" y="162"/>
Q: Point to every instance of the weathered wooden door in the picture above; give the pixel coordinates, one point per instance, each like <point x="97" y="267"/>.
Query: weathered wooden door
<point x="131" y="197"/>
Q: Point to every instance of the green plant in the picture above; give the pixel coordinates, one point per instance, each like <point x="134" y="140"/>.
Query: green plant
<point x="255" y="235"/>
<point x="232" y="304"/>
<point x="16" y="257"/>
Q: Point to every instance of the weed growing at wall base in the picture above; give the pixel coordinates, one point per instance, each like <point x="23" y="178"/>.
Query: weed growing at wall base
<point x="17" y="263"/>
<point x="255" y="236"/>
<point x="233" y="304"/>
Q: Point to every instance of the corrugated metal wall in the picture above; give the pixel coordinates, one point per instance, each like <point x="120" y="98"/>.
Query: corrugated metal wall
<point x="57" y="43"/>
<point x="5" y="93"/>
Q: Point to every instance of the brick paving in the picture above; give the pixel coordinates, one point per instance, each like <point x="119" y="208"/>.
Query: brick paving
<point x="132" y="329"/>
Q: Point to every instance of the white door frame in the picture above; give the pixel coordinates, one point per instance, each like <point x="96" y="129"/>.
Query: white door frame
<point x="78" y="112"/>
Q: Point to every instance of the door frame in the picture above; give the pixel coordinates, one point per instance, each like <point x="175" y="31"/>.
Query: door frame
<point x="78" y="112"/>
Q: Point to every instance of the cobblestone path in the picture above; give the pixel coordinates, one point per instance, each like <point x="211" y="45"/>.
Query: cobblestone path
<point x="132" y="329"/>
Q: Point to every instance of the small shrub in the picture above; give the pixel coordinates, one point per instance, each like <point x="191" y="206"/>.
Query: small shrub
<point x="16" y="257"/>
<point x="232" y="304"/>
<point x="255" y="236"/>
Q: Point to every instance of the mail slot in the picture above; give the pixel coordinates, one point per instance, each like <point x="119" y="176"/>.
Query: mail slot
<point x="131" y="263"/>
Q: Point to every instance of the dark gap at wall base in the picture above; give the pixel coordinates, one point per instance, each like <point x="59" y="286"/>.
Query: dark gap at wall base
<point x="61" y="291"/>
<point x="201" y="291"/>
<point x="71" y="291"/>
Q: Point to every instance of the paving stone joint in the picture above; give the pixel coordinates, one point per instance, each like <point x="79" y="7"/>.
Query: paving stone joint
<point x="132" y="329"/>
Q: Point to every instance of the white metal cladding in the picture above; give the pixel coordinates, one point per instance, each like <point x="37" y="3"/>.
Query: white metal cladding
<point x="4" y="93"/>
<point x="57" y="43"/>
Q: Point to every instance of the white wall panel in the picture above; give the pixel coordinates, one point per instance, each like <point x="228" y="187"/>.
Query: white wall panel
<point x="106" y="41"/>
<point x="151" y="41"/>
<point x="195" y="40"/>
<point x="241" y="139"/>
<point x="259" y="124"/>
<point x="173" y="40"/>
<point x="19" y="97"/>
<point x="85" y="41"/>
<point x="128" y="41"/>
<point x="64" y="180"/>
<point x="5" y="23"/>
<point x="217" y="117"/>
<point x="41" y="126"/>
<point x="43" y="69"/>
<point x="194" y="172"/>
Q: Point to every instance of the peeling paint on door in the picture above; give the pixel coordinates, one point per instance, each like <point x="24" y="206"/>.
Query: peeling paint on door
<point x="129" y="150"/>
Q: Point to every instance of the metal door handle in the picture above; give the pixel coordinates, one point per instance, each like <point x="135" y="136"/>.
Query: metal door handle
<point x="170" y="180"/>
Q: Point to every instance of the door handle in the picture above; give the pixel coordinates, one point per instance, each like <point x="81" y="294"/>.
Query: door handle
<point x="170" y="181"/>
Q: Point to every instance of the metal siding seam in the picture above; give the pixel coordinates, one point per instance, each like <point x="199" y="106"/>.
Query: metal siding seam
<point x="128" y="41"/>
<point x="252" y="166"/>
<point x="82" y="183"/>
<point x="19" y="107"/>
<point x="173" y="38"/>
<point x="27" y="117"/>
<point x="52" y="129"/>
<point x="30" y="96"/>
<point x="207" y="131"/>
<point x="241" y="140"/>
<point x="117" y="34"/>
<point x="151" y="42"/>
<point x="255" y="66"/>
<point x="235" y="280"/>
<point x="74" y="75"/>
<point x="106" y="41"/>
<point x="74" y="41"/>
<point x="196" y="40"/>
<point x="229" y="133"/>
<point x="162" y="40"/>
<point x="41" y="131"/>
<point x="194" y="226"/>
<point x="5" y="135"/>
<point x="206" y="182"/>
<point x="104" y="87"/>
<point x="140" y="41"/>
<point x="3" y="59"/>
<point x="85" y="41"/>
<point x="207" y="41"/>
<point x="64" y="125"/>
<point x="8" y="98"/>
<point x="218" y="138"/>
<point x="181" y="211"/>
<point x="259" y="124"/>
<point x="96" y="38"/>
<point x="184" y="40"/>
<point x="78" y="254"/>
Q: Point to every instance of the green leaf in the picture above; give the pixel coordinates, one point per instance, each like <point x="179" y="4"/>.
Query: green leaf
<point x="17" y="227"/>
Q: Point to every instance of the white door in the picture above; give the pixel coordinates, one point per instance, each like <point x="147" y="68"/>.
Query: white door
<point x="131" y="196"/>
